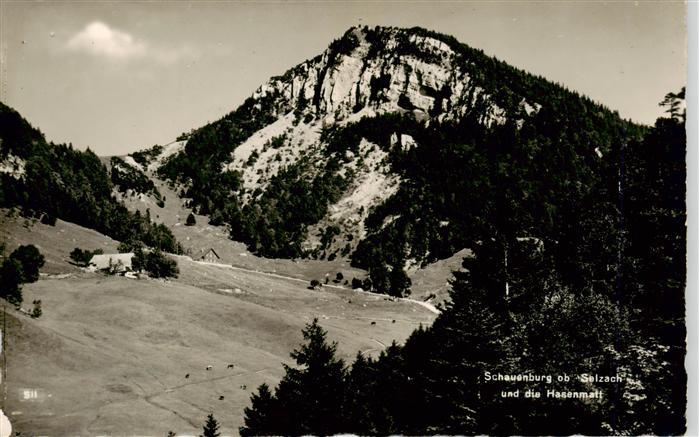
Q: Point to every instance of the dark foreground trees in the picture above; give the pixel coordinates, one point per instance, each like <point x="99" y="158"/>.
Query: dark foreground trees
<point x="309" y="396"/>
<point x="606" y="301"/>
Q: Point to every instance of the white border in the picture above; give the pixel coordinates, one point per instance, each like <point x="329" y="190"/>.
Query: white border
<point x="692" y="188"/>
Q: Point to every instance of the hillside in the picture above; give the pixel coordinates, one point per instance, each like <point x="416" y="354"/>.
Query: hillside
<point x="50" y="181"/>
<point x="110" y="354"/>
<point x="585" y="342"/>
<point x="395" y="148"/>
<point x="200" y="237"/>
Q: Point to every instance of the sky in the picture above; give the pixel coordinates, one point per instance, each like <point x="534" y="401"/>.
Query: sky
<point x="121" y="76"/>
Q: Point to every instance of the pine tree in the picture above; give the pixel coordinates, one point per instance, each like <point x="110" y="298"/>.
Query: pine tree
<point x="472" y="339"/>
<point x="210" y="428"/>
<point x="309" y="397"/>
<point x="260" y="416"/>
<point x="359" y="402"/>
<point x="399" y="280"/>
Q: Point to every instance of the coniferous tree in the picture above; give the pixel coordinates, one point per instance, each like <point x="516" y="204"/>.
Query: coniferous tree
<point x="472" y="333"/>
<point x="309" y="397"/>
<point x="211" y="427"/>
<point x="260" y="416"/>
<point x="359" y="409"/>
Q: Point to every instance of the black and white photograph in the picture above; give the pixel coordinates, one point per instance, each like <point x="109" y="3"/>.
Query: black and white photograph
<point x="317" y="218"/>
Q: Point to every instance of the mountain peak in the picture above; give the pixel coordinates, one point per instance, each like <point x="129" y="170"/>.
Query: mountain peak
<point x="335" y="157"/>
<point x="384" y="70"/>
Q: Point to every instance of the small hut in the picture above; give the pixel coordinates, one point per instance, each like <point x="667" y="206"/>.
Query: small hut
<point x="211" y="256"/>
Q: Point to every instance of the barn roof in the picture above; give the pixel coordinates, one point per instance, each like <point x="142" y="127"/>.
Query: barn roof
<point x="212" y="251"/>
<point x="102" y="261"/>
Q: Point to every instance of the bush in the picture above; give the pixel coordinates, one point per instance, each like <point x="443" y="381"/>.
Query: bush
<point x="48" y="219"/>
<point x="30" y="259"/>
<point x="314" y="284"/>
<point x="191" y="220"/>
<point x="155" y="263"/>
<point x="356" y="283"/>
<point x="78" y="256"/>
<point x="83" y="257"/>
<point x="36" y="312"/>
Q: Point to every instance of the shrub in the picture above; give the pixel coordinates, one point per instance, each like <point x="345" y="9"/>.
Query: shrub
<point x="114" y="267"/>
<point x="191" y="220"/>
<point x="356" y="283"/>
<point x="48" y="219"/>
<point x="30" y="259"/>
<point x="155" y="263"/>
<point x="79" y="256"/>
<point x="36" y="312"/>
<point x="83" y="257"/>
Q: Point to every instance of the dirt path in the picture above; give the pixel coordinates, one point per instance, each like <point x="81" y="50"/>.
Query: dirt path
<point x="425" y="305"/>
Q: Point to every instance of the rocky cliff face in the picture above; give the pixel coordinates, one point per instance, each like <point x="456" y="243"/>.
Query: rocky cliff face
<point x="370" y="72"/>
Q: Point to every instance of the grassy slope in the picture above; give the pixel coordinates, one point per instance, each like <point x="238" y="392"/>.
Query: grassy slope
<point x="112" y="352"/>
<point x="432" y="279"/>
<point x="54" y="242"/>
<point x="202" y="236"/>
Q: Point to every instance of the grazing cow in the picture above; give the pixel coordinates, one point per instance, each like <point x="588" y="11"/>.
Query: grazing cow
<point x="373" y="323"/>
<point x="220" y="398"/>
<point x="209" y="367"/>
<point x="186" y="376"/>
<point x="230" y="366"/>
<point x="393" y="321"/>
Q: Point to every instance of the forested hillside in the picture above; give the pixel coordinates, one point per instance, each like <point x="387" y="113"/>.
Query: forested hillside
<point x="52" y="181"/>
<point x="608" y="314"/>
<point x="399" y="147"/>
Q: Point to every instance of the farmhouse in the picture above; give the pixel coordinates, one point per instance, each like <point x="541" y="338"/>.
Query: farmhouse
<point x="211" y="256"/>
<point x="120" y="262"/>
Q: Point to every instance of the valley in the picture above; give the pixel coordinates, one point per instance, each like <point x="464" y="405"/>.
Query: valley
<point x="110" y="354"/>
<point x="348" y="251"/>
